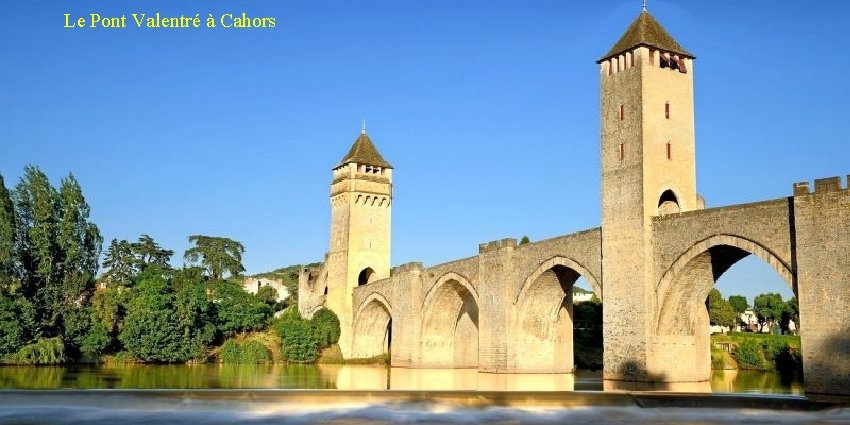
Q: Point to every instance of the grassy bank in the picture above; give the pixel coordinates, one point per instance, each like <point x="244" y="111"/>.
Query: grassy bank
<point x="755" y="351"/>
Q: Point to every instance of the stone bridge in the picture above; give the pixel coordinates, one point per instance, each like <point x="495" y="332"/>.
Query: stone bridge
<point x="653" y="260"/>
<point x="509" y="309"/>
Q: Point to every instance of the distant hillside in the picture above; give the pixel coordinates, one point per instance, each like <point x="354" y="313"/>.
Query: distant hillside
<point x="577" y="290"/>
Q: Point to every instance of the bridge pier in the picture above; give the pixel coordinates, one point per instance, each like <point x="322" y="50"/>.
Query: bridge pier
<point x="822" y="236"/>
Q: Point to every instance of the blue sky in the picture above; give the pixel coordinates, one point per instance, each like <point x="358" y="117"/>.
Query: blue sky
<point x="488" y="110"/>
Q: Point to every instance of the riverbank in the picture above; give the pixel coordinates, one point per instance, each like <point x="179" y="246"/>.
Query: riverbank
<point x="756" y="351"/>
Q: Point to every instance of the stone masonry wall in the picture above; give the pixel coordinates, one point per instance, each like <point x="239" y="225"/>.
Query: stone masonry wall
<point x="822" y="225"/>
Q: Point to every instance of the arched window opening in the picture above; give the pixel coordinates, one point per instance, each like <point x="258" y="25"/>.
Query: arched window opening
<point x="366" y="276"/>
<point x="326" y="291"/>
<point x="668" y="203"/>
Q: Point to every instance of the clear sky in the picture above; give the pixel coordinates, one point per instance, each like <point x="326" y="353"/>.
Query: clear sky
<point x="487" y="109"/>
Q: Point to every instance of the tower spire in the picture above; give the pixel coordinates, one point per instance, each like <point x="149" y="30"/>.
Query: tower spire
<point x="363" y="127"/>
<point x="644" y="5"/>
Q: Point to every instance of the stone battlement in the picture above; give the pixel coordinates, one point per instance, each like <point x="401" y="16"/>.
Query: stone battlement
<point x="496" y="245"/>
<point x="827" y="184"/>
<point x="407" y="268"/>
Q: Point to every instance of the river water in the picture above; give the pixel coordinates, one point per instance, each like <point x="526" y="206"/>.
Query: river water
<point x="211" y="394"/>
<point x="360" y="377"/>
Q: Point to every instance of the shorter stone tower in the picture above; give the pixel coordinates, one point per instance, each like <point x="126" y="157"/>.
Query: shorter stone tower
<point x="359" y="253"/>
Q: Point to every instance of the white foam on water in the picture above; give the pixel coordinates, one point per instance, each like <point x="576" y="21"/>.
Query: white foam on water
<point x="215" y="413"/>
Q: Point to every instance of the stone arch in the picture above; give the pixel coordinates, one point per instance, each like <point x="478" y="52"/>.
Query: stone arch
<point x="544" y="317"/>
<point x="559" y="261"/>
<point x="668" y="203"/>
<point x="682" y="319"/>
<point x="372" y="335"/>
<point x="744" y="247"/>
<point x="449" y="333"/>
<point x="367" y="275"/>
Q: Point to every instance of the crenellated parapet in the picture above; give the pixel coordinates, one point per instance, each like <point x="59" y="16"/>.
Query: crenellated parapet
<point x="824" y="185"/>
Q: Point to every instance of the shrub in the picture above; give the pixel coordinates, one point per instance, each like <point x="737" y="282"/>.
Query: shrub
<point x="300" y="344"/>
<point x="326" y="326"/>
<point x="302" y="339"/>
<point x="96" y="340"/>
<point x="229" y="352"/>
<point x="43" y="352"/>
<point x="247" y="352"/>
<point x="254" y="352"/>
<point x="749" y="355"/>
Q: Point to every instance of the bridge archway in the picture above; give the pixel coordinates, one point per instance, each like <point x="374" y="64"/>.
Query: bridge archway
<point x="449" y="334"/>
<point x="372" y="334"/>
<point x="682" y="320"/>
<point x="544" y="321"/>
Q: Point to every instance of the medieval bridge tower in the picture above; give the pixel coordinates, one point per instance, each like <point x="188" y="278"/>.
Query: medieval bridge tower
<point x="653" y="260"/>
<point x="359" y="253"/>
<point x="648" y="169"/>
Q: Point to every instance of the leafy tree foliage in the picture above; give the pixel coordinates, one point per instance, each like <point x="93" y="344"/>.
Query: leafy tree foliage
<point x="237" y="310"/>
<point x="218" y="255"/>
<point x="720" y="312"/>
<point x="326" y="325"/>
<point x="245" y="352"/>
<point x="300" y="344"/>
<point x="738" y="303"/>
<point x="750" y="356"/>
<point x="12" y="334"/>
<point x="149" y="253"/>
<point x="791" y="313"/>
<point x="56" y="250"/>
<point x="124" y="259"/>
<point x="268" y="294"/>
<point x="7" y="237"/>
<point x="302" y="339"/>
<point x="161" y="325"/>
<point x="524" y="240"/>
<point x="119" y="262"/>
<point x="769" y="309"/>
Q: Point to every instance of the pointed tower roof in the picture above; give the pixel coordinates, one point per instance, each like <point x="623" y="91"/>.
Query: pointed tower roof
<point x="646" y="31"/>
<point x="363" y="151"/>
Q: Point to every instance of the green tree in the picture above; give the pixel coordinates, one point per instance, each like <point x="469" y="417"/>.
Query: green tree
<point x="195" y="314"/>
<point x="119" y="262"/>
<point x="325" y="325"/>
<point x="148" y="252"/>
<point x="769" y="309"/>
<point x="150" y="332"/>
<point x="79" y="246"/>
<point x="36" y="210"/>
<point x="8" y="257"/>
<point x="268" y="295"/>
<point x="738" y="303"/>
<point x="218" y="255"/>
<point x="12" y="334"/>
<point x="524" y="240"/>
<point x="791" y="313"/>
<point x="237" y="310"/>
<point x="719" y="311"/>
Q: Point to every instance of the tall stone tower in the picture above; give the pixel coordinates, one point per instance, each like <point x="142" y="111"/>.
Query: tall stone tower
<point x="361" y="199"/>
<point x="648" y="169"/>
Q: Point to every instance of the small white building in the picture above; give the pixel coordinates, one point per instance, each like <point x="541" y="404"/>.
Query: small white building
<point x="253" y="284"/>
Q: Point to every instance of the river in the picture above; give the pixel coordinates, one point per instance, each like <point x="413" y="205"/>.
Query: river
<point x="360" y="377"/>
<point x="211" y="394"/>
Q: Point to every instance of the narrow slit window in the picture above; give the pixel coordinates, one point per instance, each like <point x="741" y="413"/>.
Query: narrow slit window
<point x="622" y="151"/>
<point x="669" y="151"/>
<point x="631" y="60"/>
<point x="622" y="112"/>
<point x="667" y="110"/>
